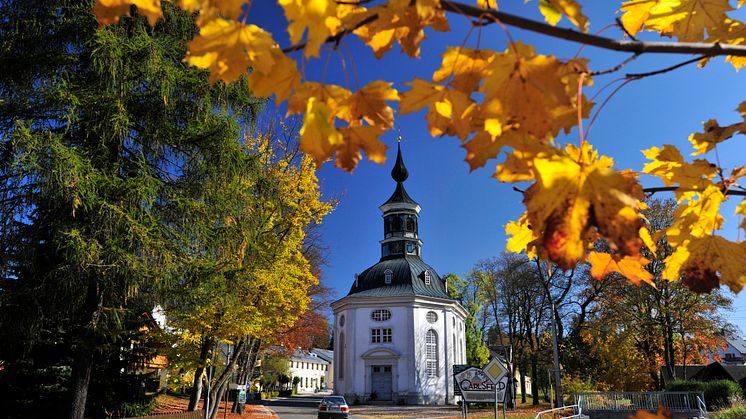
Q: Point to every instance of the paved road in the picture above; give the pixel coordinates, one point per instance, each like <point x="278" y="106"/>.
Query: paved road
<point x="296" y="407"/>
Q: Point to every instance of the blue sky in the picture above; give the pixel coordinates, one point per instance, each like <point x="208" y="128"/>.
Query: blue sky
<point x="463" y="214"/>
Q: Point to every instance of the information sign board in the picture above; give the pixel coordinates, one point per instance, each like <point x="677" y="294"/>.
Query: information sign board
<point x="481" y="385"/>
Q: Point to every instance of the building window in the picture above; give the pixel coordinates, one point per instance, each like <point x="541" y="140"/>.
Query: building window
<point x="427" y="277"/>
<point x="432" y="316"/>
<point x="455" y="349"/>
<point x="341" y="357"/>
<point x="380" y="315"/>
<point x="431" y="353"/>
<point x="341" y="320"/>
<point x="410" y="223"/>
<point x="387" y="275"/>
<point x="380" y="335"/>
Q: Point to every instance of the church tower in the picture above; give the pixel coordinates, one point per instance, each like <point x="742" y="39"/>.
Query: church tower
<point x="397" y="332"/>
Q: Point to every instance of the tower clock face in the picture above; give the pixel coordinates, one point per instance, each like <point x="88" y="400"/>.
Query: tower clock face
<point x="410" y="247"/>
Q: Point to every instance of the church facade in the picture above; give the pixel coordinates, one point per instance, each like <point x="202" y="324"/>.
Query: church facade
<point x="397" y="333"/>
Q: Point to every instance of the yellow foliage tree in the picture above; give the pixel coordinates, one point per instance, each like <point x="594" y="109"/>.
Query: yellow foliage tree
<point x="514" y="101"/>
<point x="246" y="277"/>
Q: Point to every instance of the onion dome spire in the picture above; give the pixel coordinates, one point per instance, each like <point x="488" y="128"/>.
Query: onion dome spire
<point x="399" y="172"/>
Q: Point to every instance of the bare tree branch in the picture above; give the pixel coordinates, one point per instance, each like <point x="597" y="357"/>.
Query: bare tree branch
<point x="652" y="191"/>
<point x="701" y="48"/>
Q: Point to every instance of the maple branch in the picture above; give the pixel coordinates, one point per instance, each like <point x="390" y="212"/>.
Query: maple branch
<point x="664" y="70"/>
<point x="335" y="38"/>
<point x="701" y="48"/>
<point x="616" y="67"/>
<point x="652" y="191"/>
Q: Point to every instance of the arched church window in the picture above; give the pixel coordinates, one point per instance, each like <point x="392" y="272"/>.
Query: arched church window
<point x="380" y="315"/>
<point x="432" y="316"/>
<point x="342" y="320"/>
<point x="427" y="277"/>
<point x="387" y="274"/>
<point x="431" y="353"/>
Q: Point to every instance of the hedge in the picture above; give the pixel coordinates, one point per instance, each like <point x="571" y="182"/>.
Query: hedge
<point x="738" y="412"/>
<point x="719" y="394"/>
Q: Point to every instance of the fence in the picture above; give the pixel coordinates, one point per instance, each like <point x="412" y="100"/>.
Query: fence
<point x="198" y="414"/>
<point x="608" y="404"/>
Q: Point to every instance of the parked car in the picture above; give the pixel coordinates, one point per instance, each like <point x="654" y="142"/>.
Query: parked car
<point x="333" y="407"/>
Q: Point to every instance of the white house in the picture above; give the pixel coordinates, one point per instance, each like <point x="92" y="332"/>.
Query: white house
<point x="397" y="333"/>
<point x="310" y="369"/>
<point x="734" y="353"/>
<point x="327" y="356"/>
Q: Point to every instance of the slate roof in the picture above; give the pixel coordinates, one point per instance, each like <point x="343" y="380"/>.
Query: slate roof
<point x="712" y="371"/>
<point x="739" y="344"/>
<point x="400" y="195"/>
<point x="408" y="279"/>
<point x="303" y="356"/>
<point x="324" y="354"/>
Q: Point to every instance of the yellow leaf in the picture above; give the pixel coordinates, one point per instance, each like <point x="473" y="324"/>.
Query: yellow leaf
<point x="649" y="242"/>
<point x="357" y="138"/>
<point x="211" y="9"/>
<point x="699" y="260"/>
<point x="530" y="91"/>
<point x="631" y="267"/>
<point x="519" y="163"/>
<point x="741" y="210"/>
<point x="669" y="165"/>
<point x="713" y="135"/>
<point x="227" y="48"/>
<point x="398" y="21"/>
<point x="318" y="136"/>
<point x="280" y="81"/>
<point x="554" y="9"/>
<point x="689" y="20"/>
<point x="465" y="65"/>
<point x="318" y="17"/>
<point x="698" y="212"/>
<point x="578" y="198"/>
<point x="520" y="237"/>
<point x="109" y="11"/>
<point x="635" y="13"/>
<point x="448" y="109"/>
<point x="369" y="104"/>
<point x="487" y="4"/>
<point x="332" y="95"/>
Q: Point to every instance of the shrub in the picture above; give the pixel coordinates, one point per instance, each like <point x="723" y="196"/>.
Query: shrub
<point x="572" y="385"/>
<point x="722" y="394"/>
<point x="738" y="412"/>
<point x="719" y="394"/>
<point x="685" y="385"/>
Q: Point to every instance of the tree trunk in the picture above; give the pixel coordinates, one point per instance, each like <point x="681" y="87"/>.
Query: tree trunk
<point x="523" y="383"/>
<point x="81" y="378"/>
<point x="204" y="354"/>
<point x="83" y="355"/>
<point x="534" y="378"/>
<point x="221" y="385"/>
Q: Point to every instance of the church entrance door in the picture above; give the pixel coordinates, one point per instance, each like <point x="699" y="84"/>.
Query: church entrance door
<point x="380" y="381"/>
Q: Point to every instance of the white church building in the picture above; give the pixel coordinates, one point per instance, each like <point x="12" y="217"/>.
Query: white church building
<point x="397" y="333"/>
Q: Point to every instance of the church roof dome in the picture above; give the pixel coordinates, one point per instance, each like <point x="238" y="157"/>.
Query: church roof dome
<point x="407" y="278"/>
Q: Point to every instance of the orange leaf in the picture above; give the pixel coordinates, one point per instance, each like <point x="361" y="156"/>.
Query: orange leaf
<point x="358" y="138"/>
<point x="631" y="267"/>
<point x="109" y="11"/>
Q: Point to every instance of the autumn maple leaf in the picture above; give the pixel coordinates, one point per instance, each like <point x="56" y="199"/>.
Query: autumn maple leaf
<point x="578" y="198"/>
